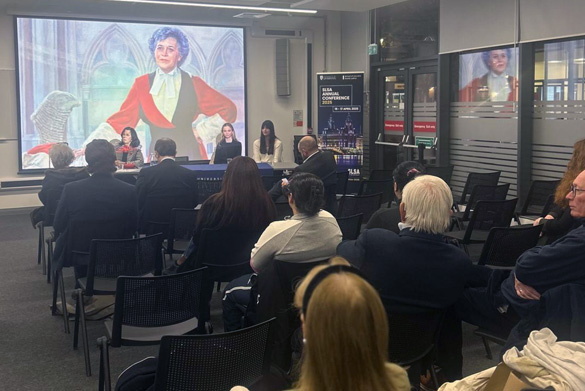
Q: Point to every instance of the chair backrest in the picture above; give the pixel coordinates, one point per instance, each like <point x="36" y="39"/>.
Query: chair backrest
<point x="156" y="213"/>
<point x="53" y="196"/>
<point x="538" y="196"/>
<point x="485" y="193"/>
<point x="477" y="178"/>
<point x="226" y="252"/>
<point x="385" y="186"/>
<point x="505" y="245"/>
<point x="181" y="158"/>
<point x="207" y="187"/>
<point x="181" y="226"/>
<point x="342" y="178"/>
<point x="549" y="204"/>
<point x="214" y="362"/>
<point x="443" y="172"/>
<point x="269" y="181"/>
<point x="275" y="288"/>
<point x="80" y="234"/>
<point x="123" y="257"/>
<point x="282" y="210"/>
<point x="380" y="175"/>
<point x="412" y="336"/>
<point x="350" y="226"/>
<point x="490" y="214"/>
<point x="367" y="205"/>
<point x="156" y="306"/>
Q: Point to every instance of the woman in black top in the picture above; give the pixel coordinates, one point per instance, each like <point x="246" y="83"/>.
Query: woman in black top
<point x="228" y="148"/>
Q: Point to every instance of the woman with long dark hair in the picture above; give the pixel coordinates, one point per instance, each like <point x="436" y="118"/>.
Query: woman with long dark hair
<point x="241" y="203"/>
<point x="128" y="153"/>
<point x="268" y="148"/>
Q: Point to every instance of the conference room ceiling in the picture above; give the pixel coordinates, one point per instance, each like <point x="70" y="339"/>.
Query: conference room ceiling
<point x="320" y="5"/>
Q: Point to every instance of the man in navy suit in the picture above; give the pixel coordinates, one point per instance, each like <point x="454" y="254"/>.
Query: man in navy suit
<point x="167" y="183"/>
<point x="99" y="199"/>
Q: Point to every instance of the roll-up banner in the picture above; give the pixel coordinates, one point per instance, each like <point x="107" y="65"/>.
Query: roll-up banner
<point x="341" y="117"/>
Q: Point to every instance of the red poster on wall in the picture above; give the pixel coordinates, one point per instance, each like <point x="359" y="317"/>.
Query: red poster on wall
<point x="425" y="126"/>
<point x="394" y="126"/>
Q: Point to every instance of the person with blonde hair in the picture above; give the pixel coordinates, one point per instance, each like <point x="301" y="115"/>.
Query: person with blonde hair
<point x="345" y="332"/>
<point x="558" y="222"/>
<point x="417" y="270"/>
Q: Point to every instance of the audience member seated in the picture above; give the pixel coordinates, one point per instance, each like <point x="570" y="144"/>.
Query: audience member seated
<point x="101" y="197"/>
<point x="268" y="148"/>
<point x="61" y="157"/>
<point x="319" y="163"/>
<point x="228" y="148"/>
<point x="345" y="333"/>
<point x="418" y="269"/>
<point x="511" y="306"/>
<point x="172" y="185"/>
<point x="128" y="153"/>
<point x="242" y="203"/>
<point x="559" y="220"/>
<point x="388" y="218"/>
<point x="310" y="235"/>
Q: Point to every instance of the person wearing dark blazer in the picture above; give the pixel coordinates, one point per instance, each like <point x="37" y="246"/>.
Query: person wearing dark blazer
<point x="319" y="163"/>
<point x="166" y="179"/>
<point x="101" y="197"/>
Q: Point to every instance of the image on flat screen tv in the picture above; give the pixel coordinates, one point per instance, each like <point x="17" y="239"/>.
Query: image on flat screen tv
<point x="80" y="80"/>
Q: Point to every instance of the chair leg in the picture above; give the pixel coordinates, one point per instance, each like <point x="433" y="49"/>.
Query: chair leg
<point x="49" y="259"/>
<point x="43" y="251"/>
<point x="434" y="375"/>
<point x="105" y="382"/>
<point x="488" y="350"/>
<point x="80" y="314"/>
<point x="40" y="228"/>
<point x="59" y="279"/>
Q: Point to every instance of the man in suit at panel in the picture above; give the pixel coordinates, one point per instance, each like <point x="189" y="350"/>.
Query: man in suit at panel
<point x="317" y="162"/>
<point x="99" y="198"/>
<point x="165" y="183"/>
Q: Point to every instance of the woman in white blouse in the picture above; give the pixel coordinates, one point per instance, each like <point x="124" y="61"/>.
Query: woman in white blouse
<point x="268" y="148"/>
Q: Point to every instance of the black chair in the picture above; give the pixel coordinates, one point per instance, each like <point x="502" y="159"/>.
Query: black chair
<point x="352" y="205"/>
<point x="443" y="172"/>
<point x="550" y="203"/>
<point x="504" y="245"/>
<point x="380" y="175"/>
<point x="226" y="253"/>
<point x="214" y="362"/>
<point x="53" y="197"/>
<point x="269" y="181"/>
<point x="181" y="158"/>
<point x="181" y="230"/>
<point x="341" y="187"/>
<point x="485" y="216"/>
<point x="156" y="213"/>
<point x="148" y="308"/>
<point x="537" y="199"/>
<point x="412" y="339"/>
<point x="109" y="259"/>
<point x="350" y="226"/>
<point x="481" y="193"/>
<point x="207" y="187"/>
<point x="385" y="186"/>
<point x="282" y="210"/>
<point x="477" y="178"/>
<point x="80" y="233"/>
<point x="275" y="288"/>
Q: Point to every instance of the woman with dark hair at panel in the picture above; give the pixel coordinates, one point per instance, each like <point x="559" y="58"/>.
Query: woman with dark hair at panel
<point x="345" y="331"/>
<point x="295" y="240"/>
<point x="268" y="148"/>
<point x="241" y="203"/>
<point x="558" y="222"/>
<point x="388" y="218"/>
<point x="128" y="153"/>
<point x="228" y="147"/>
<point x="61" y="157"/>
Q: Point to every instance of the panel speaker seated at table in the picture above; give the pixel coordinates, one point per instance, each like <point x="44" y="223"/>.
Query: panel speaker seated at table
<point x="228" y="147"/>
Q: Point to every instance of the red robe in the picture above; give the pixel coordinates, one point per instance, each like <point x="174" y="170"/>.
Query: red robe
<point x="477" y="90"/>
<point x="140" y="105"/>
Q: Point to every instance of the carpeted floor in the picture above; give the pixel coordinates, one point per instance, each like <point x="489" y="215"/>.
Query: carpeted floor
<point x="35" y="353"/>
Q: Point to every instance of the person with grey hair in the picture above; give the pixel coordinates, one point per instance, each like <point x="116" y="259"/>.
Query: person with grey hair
<point x="61" y="157"/>
<point x="418" y="269"/>
<point x="101" y="197"/>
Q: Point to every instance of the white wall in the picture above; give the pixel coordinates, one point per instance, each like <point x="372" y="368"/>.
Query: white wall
<point x="262" y="101"/>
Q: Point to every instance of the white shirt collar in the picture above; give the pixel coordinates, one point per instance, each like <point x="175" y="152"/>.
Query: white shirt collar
<point x="168" y="79"/>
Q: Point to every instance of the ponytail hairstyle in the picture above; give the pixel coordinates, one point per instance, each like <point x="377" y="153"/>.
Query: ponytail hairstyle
<point x="308" y="193"/>
<point x="406" y="172"/>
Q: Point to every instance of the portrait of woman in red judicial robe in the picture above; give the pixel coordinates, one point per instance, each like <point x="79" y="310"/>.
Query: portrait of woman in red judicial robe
<point x="494" y="86"/>
<point x="173" y="103"/>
